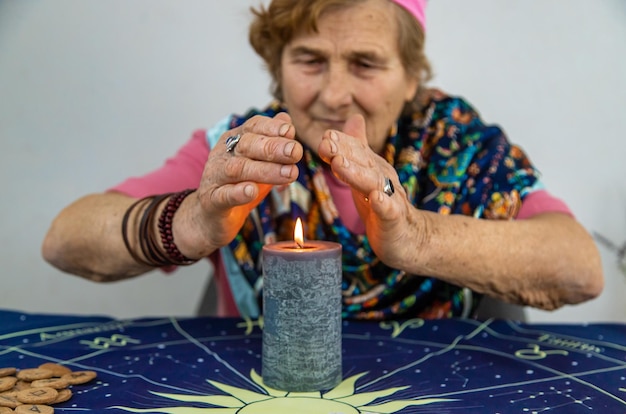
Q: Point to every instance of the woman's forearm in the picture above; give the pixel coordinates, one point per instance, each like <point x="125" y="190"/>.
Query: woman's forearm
<point x="85" y="239"/>
<point x="546" y="261"/>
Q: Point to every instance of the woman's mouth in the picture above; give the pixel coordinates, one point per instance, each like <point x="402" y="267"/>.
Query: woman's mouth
<point x="332" y="123"/>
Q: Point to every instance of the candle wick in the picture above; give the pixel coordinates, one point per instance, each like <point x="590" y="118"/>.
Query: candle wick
<point x="300" y="245"/>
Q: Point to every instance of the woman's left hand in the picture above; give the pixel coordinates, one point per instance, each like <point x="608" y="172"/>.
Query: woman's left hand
<point x="390" y="220"/>
<point x="493" y="257"/>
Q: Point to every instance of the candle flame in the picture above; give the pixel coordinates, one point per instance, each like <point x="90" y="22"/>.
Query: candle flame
<point x="298" y="234"/>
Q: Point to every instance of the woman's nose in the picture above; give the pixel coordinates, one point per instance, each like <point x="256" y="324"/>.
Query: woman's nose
<point x="337" y="88"/>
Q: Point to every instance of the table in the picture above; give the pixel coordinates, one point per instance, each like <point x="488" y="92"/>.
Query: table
<point x="210" y="365"/>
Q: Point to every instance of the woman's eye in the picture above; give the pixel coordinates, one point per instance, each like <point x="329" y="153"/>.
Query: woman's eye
<point x="312" y="61"/>
<point x="364" y="64"/>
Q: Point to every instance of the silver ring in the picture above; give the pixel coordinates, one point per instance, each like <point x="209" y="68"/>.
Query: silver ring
<point x="388" y="187"/>
<point x="232" y="141"/>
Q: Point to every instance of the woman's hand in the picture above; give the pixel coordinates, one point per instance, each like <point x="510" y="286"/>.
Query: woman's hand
<point x="499" y="258"/>
<point x="234" y="182"/>
<point x="387" y="218"/>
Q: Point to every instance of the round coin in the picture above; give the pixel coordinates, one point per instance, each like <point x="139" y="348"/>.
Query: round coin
<point x="32" y="374"/>
<point x="10" y="393"/>
<point x="56" y="383"/>
<point x="58" y="370"/>
<point x="39" y="395"/>
<point x="21" y="385"/>
<point x="7" y="383"/>
<point x="64" y="395"/>
<point x="6" y="371"/>
<point x="9" y="401"/>
<point x="34" y="408"/>
<point x="79" y="377"/>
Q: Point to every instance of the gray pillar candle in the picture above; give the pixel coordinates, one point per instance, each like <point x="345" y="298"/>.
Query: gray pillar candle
<point x="302" y="316"/>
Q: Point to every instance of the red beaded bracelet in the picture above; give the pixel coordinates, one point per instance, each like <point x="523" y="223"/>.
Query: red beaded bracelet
<point x="165" y="228"/>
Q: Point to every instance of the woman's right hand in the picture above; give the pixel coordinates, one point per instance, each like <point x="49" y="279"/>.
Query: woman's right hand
<point x="235" y="182"/>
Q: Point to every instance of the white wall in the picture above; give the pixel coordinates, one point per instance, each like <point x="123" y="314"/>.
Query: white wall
<point x="94" y="91"/>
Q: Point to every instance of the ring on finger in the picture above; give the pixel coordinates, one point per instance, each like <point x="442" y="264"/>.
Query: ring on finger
<point x="231" y="142"/>
<point x="388" y="187"/>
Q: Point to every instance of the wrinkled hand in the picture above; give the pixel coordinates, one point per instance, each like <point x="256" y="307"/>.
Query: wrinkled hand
<point x="233" y="183"/>
<point x="388" y="219"/>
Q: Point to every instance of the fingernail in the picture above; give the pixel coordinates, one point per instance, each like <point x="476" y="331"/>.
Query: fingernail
<point x="289" y="148"/>
<point x="334" y="136"/>
<point x="333" y="147"/>
<point x="345" y="162"/>
<point x="248" y="191"/>
<point x="284" y="128"/>
<point x="285" y="171"/>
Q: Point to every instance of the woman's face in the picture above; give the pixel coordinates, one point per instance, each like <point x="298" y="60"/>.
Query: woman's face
<point x="351" y="66"/>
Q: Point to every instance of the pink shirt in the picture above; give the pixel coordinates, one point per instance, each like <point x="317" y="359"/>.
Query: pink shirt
<point x="184" y="170"/>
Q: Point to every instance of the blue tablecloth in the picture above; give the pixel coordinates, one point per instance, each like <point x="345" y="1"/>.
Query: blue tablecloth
<point x="171" y="365"/>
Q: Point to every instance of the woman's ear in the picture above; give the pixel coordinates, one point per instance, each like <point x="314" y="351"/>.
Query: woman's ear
<point x="411" y="90"/>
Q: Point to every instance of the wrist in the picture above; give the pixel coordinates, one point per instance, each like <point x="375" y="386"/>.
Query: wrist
<point x="189" y="230"/>
<point x="415" y="254"/>
<point x="147" y="230"/>
<point x="166" y="228"/>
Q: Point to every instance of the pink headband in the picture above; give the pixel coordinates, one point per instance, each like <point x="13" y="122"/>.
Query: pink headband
<point x="416" y="8"/>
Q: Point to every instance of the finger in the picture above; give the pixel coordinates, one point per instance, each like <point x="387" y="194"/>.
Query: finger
<point x="229" y="196"/>
<point x="386" y="209"/>
<point x="364" y="173"/>
<point x="343" y="143"/>
<point x="234" y="195"/>
<point x="278" y="126"/>
<point x="286" y="119"/>
<point x="267" y="139"/>
<point x="355" y="127"/>
<point x="271" y="149"/>
<point x="240" y="169"/>
<point x="339" y="148"/>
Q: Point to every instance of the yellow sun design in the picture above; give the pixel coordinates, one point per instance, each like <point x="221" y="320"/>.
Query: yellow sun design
<point x="340" y="400"/>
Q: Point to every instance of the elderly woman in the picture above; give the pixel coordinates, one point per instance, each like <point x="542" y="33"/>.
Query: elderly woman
<point x="433" y="207"/>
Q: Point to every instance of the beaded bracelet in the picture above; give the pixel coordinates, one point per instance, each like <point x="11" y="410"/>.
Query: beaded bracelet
<point x="165" y="228"/>
<point x="155" y="254"/>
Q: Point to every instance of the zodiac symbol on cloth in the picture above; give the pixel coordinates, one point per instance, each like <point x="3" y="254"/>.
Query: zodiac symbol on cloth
<point x="115" y="340"/>
<point x="536" y="353"/>
<point x="399" y="328"/>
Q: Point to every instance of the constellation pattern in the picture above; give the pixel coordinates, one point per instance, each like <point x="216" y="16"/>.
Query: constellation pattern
<point x="197" y="365"/>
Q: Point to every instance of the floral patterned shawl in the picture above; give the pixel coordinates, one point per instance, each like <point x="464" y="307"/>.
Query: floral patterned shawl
<point x="448" y="161"/>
